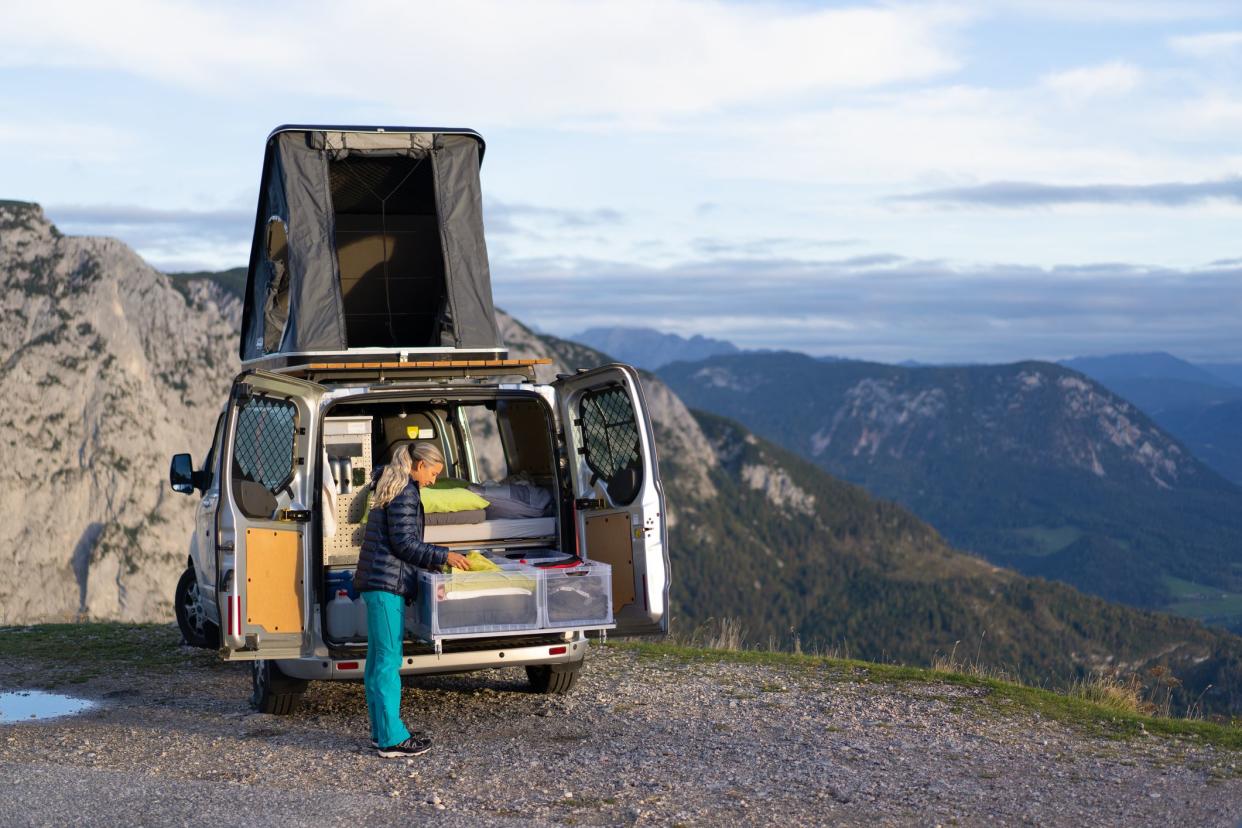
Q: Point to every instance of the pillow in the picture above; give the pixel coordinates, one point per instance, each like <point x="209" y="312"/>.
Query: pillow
<point x="450" y="500"/>
<point x="449" y="483"/>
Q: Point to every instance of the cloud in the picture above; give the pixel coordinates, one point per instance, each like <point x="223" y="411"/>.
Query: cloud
<point x="1083" y="83"/>
<point x="1021" y="194"/>
<point x="932" y="311"/>
<point x="1122" y="11"/>
<point x="207" y="223"/>
<point x="620" y="60"/>
<point x="763" y="247"/>
<point x="508" y="218"/>
<point x="170" y="239"/>
<point x="1209" y="45"/>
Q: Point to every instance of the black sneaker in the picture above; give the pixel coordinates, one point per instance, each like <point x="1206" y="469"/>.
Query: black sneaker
<point x="418" y="734"/>
<point x="413" y="746"/>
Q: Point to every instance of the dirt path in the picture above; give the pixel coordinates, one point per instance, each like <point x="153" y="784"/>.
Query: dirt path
<point x="642" y="740"/>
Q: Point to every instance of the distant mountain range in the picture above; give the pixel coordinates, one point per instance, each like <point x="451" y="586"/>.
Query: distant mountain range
<point x="1201" y="405"/>
<point x="1030" y="465"/>
<point x="650" y="349"/>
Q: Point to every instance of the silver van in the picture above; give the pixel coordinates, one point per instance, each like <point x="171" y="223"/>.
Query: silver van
<point x="368" y="324"/>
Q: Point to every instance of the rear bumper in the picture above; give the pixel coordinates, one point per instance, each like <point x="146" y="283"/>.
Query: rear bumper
<point x="344" y="668"/>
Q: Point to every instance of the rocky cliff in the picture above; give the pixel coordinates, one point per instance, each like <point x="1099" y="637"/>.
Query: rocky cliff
<point x="107" y="370"/>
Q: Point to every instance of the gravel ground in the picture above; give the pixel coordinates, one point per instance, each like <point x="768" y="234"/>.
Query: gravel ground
<point x="642" y="740"/>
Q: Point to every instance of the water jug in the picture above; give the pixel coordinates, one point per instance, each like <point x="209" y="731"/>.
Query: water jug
<point x="341" y="619"/>
<point x="360" y="619"/>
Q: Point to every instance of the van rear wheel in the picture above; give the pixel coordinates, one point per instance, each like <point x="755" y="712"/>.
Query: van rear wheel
<point x="274" y="692"/>
<point x="556" y="680"/>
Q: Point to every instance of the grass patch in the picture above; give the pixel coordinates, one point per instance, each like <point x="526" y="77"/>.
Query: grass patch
<point x="1002" y="696"/>
<point x="87" y="650"/>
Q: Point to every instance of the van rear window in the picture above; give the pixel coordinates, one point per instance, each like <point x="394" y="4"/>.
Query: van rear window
<point x="263" y="445"/>
<point x="610" y="441"/>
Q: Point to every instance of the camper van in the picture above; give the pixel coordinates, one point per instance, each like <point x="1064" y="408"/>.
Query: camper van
<point x="368" y="324"/>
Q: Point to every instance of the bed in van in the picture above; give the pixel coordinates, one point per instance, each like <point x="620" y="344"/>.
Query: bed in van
<point x="369" y="324"/>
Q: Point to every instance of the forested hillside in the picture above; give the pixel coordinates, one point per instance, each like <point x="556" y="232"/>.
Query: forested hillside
<point x="1030" y="465"/>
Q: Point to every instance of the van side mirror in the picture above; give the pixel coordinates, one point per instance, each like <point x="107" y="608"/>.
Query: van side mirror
<point x="181" y="474"/>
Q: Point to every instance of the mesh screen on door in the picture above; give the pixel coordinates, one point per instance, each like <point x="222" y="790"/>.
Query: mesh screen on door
<point x="609" y="434"/>
<point x="263" y="447"/>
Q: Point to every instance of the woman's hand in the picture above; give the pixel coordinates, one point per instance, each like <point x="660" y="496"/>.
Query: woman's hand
<point x="458" y="561"/>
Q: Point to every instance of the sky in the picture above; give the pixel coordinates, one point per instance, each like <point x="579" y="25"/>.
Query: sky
<point x="937" y="181"/>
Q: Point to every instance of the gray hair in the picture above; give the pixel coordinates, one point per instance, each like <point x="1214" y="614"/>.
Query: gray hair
<point x="396" y="475"/>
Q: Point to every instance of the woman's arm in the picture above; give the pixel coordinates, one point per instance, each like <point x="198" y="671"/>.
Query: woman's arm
<point x="405" y="532"/>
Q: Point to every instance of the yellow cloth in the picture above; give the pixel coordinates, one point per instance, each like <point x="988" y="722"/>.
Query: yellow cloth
<point x="480" y="562"/>
<point x="484" y="574"/>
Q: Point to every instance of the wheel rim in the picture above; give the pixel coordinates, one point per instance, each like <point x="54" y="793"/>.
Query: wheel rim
<point x="195" y="615"/>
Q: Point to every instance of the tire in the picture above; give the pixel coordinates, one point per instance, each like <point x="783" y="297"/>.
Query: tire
<point x="273" y="691"/>
<point x="548" y="679"/>
<point x="196" y="628"/>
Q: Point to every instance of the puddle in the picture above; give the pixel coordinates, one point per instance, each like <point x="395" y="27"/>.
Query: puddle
<point x="33" y="705"/>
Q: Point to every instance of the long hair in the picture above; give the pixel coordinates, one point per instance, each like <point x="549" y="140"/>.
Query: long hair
<point x="396" y="475"/>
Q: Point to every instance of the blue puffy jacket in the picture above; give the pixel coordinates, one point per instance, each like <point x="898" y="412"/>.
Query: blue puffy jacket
<point x="393" y="550"/>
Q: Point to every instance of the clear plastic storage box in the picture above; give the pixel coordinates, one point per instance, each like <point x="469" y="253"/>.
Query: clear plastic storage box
<point x="577" y="597"/>
<point x="516" y="599"/>
<point x="464" y="603"/>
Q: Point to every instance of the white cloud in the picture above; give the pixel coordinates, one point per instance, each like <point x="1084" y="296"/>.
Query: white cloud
<point x="558" y="60"/>
<point x="1210" y="45"/>
<point x="1086" y="82"/>
<point x="1121" y="11"/>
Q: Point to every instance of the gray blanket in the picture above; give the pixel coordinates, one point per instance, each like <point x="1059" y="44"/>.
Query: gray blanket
<point x="515" y="499"/>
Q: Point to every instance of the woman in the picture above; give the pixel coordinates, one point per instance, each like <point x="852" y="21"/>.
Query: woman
<point x="392" y="553"/>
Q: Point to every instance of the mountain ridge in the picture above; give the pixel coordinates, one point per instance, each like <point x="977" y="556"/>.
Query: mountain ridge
<point x="1013" y="462"/>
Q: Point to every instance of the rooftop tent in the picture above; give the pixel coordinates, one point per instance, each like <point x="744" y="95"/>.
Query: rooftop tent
<point x="369" y="239"/>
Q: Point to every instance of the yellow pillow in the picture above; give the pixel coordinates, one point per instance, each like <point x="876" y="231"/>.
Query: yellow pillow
<point x="436" y="501"/>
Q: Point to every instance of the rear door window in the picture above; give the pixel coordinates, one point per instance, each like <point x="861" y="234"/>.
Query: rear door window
<point x="263" y="452"/>
<point x="610" y="441"/>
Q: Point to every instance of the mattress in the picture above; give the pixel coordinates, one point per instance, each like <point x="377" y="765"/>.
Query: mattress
<point x="491" y="530"/>
<point x="452" y="518"/>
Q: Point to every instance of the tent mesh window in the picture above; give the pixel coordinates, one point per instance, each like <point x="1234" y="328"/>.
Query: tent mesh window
<point x="388" y="250"/>
<point x="610" y="440"/>
<point x="263" y="447"/>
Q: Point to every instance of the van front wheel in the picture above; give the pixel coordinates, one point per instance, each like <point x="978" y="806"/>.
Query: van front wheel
<point x="274" y="692"/>
<point x="557" y="679"/>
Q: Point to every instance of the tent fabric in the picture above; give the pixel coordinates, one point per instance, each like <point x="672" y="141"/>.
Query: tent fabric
<point x="294" y="304"/>
<point x="471" y="321"/>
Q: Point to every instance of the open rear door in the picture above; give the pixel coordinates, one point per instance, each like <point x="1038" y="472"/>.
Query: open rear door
<point x="619" y="502"/>
<point x="263" y="530"/>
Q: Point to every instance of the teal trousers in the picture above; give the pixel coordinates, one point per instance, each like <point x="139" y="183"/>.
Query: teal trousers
<point x="382" y="678"/>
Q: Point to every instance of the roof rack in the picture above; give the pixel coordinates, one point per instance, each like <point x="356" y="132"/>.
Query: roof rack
<point x="415" y="370"/>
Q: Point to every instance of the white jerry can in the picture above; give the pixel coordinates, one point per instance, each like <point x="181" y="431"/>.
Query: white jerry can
<point x="341" y="618"/>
